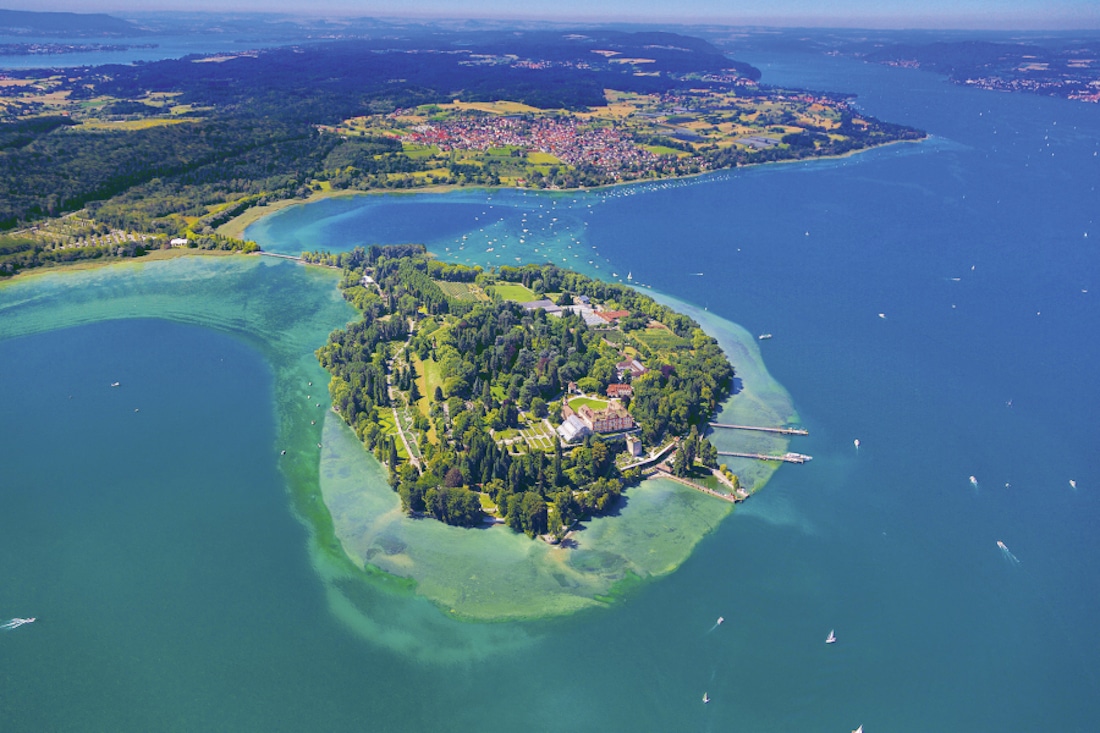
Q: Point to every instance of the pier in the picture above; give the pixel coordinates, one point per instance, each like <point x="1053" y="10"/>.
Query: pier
<point x="780" y="431"/>
<point x="786" y="457"/>
<point x="281" y="257"/>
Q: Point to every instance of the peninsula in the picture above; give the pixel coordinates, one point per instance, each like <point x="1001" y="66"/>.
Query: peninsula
<point x="112" y="161"/>
<point x="521" y="395"/>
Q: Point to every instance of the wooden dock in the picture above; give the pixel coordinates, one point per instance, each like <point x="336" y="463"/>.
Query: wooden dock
<point x="780" y="431"/>
<point x="786" y="457"/>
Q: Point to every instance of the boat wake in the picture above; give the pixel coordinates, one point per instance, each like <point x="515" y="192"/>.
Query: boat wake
<point x="1007" y="553"/>
<point x="15" y="623"/>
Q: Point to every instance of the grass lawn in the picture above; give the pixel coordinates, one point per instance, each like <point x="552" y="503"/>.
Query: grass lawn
<point x="419" y="151"/>
<point x="536" y="157"/>
<point x="578" y="402"/>
<point x="428" y="377"/>
<point x="385" y="419"/>
<point x="514" y="291"/>
<point x="665" y="150"/>
<point x="701" y="475"/>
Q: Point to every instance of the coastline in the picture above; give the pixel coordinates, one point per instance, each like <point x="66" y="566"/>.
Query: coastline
<point x="491" y="574"/>
<point x="237" y="226"/>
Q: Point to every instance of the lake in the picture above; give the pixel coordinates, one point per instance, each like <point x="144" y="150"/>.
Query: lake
<point x="935" y="301"/>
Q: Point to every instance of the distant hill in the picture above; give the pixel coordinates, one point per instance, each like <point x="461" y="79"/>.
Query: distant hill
<point x="26" y="23"/>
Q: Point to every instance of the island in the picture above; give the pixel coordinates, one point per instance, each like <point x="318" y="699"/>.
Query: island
<point x="528" y="396"/>
<point x="113" y="161"/>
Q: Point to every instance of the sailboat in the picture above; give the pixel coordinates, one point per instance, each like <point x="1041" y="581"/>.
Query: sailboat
<point x="831" y="638"/>
<point x="706" y="698"/>
<point x="859" y="729"/>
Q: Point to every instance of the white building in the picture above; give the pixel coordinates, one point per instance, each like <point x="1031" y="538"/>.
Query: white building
<point x="573" y="429"/>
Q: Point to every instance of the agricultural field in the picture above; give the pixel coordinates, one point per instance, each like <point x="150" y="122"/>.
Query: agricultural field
<point x="461" y="291"/>
<point x="660" y="339"/>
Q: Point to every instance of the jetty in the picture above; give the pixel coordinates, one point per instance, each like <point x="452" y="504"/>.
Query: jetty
<point x="786" y="457"/>
<point x="759" y="429"/>
<point x="732" y="498"/>
<point x="280" y="256"/>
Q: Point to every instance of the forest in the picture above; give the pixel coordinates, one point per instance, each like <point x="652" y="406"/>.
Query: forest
<point x="499" y="366"/>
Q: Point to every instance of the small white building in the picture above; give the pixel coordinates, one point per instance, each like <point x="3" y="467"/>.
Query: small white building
<point x="179" y="242"/>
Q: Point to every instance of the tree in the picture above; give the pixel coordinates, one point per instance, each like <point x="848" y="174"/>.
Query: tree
<point x="532" y="511"/>
<point x="453" y="477"/>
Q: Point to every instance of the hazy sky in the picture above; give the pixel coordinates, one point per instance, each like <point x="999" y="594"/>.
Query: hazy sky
<point x="1016" y="14"/>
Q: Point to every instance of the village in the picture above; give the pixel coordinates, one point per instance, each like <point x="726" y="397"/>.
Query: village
<point x="572" y="141"/>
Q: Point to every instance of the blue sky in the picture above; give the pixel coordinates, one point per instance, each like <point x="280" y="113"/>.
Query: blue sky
<point x="1001" y="14"/>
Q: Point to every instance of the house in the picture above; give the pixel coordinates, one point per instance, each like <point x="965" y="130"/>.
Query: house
<point x="616" y="391"/>
<point x="179" y="242"/>
<point x="633" y="367"/>
<point x="573" y="429"/>
<point x="633" y="446"/>
<point x="551" y="308"/>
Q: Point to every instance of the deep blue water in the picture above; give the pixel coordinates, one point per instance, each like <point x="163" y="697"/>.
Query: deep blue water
<point x="988" y="375"/>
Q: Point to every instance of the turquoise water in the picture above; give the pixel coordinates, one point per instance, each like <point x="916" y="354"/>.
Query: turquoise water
<point x="161" y="610"/>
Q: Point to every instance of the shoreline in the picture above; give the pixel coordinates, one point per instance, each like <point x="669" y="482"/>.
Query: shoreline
<point x="445" y="565"/>
<point x="236" y="226"/>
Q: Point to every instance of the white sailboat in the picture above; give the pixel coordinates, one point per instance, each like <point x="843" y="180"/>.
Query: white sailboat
<point x="831" y="638"/>
<point x="706" y="698"/>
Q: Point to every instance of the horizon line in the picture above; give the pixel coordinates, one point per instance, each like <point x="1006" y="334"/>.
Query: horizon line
<point x="1025" y="23"/>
